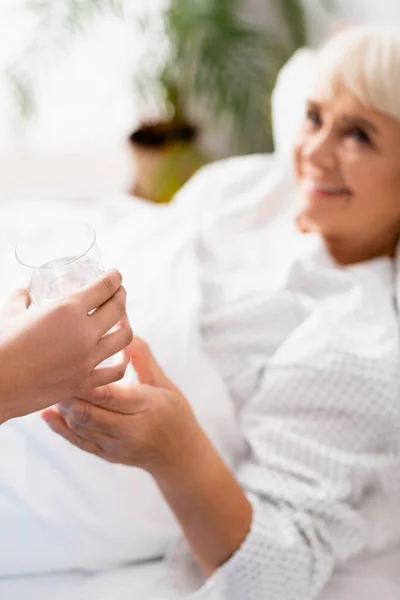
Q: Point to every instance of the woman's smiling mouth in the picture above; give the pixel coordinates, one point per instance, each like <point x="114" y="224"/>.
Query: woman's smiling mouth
<point x="320" y="188"/>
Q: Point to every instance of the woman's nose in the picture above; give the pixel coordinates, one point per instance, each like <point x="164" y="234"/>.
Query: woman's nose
<point x="319" y="150"/>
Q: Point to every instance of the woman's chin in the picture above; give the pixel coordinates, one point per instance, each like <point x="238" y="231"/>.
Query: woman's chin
<point x="311" y="221"/>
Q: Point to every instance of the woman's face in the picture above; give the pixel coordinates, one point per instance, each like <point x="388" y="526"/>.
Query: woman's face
<point x="348" y="169"/>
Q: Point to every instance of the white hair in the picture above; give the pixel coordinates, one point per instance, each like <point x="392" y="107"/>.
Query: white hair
<point x="365" y="60"/>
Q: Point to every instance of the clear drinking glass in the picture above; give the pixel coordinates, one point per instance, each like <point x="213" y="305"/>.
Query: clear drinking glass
<point x="60" y="258"/>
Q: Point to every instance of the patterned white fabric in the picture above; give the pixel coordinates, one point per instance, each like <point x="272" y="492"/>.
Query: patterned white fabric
<point x="311" y="355"/>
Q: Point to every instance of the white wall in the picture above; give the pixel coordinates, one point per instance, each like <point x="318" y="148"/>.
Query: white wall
<point x="321" y="21"/>
<point x="351" y="11"/>
<point x="371" y="11"/>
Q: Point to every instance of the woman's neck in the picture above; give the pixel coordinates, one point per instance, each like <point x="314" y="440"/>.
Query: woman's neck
<point x="349" y="252"/>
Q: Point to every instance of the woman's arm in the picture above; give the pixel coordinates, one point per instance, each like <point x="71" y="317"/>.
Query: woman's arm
<point x="284" y="546"/>
<point x="153" y="427"/>
<point x="210" y="505"/>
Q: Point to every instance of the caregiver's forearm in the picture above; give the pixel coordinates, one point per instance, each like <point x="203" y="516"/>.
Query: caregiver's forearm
<point x="18" y="386"/>
<point x="7" y="389"/>
<point x="210" y="505"/>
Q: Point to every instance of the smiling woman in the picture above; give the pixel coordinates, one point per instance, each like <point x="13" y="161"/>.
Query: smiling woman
<point x="347" y="157"/>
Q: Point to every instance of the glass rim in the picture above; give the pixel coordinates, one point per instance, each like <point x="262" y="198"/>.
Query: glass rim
<point x="67" y="264"/>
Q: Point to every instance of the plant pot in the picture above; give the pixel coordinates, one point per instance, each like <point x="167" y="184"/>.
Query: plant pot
<point x="165" y="158"/>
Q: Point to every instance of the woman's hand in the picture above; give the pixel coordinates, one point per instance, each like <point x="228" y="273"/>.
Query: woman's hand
<point x="51" y="354"/>
<point x="150" y="425"/>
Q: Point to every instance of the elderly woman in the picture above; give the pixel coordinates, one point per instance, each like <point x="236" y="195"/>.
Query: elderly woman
<point x="311" y="361"/>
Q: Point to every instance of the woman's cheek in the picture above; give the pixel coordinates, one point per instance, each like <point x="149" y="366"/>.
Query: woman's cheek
<point x="356" y="172"/>
<point x="297" y="159"/>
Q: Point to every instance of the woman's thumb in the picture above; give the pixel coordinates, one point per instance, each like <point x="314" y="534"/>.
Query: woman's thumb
<point x="147" y="368"/>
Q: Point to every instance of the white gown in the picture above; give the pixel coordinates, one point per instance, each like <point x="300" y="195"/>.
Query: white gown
<point x="311" y="355"/>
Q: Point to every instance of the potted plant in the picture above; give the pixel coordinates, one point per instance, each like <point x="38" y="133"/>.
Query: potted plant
<point x="213" y="58"/>
<point x="217" y="60"/>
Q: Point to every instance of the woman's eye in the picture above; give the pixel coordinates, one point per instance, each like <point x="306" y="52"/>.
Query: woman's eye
<point x="359" y="135"/>
<point x="314" y="117"/>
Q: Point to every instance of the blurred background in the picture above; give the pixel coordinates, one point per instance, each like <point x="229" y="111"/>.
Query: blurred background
<point x="103" y="96"/>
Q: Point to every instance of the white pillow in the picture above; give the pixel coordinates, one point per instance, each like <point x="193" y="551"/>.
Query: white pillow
<point x="288" y="99"/>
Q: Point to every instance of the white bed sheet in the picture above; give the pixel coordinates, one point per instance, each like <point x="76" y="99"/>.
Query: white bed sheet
<point x="149" y="582"/>
<point x="137" y="582"/>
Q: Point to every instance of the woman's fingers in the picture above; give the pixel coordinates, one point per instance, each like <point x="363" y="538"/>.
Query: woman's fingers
<point x="146" y="366"/>
<point x="90" y="421"/>
<point x="102" y="376"/>
<point x="55" y="421"/>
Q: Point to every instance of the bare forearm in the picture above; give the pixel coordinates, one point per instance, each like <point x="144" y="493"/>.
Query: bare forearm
<point x="13" y="384"/>
<point x="19" y="388"/>
<point x="210" y="506"/>
<point x="7" y="385"/>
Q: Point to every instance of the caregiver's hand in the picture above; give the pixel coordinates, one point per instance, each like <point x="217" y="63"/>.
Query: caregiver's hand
<point x="152" y="426"/>
<point x="52" y="354"/>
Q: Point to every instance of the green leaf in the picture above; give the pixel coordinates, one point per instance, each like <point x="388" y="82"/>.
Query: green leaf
<point x="212" y="56"/>
<point x="22" y="91"/>
<point x="294" y="17"/>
